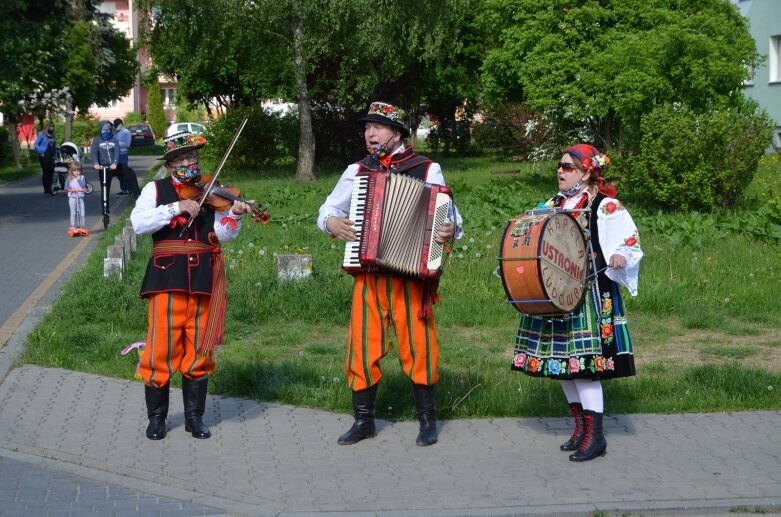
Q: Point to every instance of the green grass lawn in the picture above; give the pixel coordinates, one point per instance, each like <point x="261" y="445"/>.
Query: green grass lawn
<point x="705" y="323"/>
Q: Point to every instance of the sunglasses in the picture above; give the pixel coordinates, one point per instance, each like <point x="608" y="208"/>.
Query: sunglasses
<point x="567" y="167"/>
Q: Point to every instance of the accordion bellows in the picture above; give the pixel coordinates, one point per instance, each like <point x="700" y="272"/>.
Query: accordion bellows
<point x="396" y="219"/>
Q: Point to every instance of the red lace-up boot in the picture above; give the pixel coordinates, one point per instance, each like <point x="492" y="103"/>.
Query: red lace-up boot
<point x="594" y="443"/>
<point x="576" y="409"/>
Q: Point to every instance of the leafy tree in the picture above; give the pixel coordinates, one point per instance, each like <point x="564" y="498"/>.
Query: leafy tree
<point x="59" y="55"/>
<point x="605" y="64"/>
<point x="331" y="57"/>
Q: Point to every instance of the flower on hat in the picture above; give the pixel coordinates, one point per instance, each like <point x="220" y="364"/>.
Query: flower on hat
<point x="184" y="140"/>
<point x="386" y="110"/>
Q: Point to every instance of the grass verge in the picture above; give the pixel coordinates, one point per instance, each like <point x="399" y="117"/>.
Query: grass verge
<point x="704" y="325"/>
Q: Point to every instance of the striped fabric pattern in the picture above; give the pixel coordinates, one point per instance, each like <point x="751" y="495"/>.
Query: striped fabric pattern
<point x="378" y="302"/>
<point x="176" y="326"/>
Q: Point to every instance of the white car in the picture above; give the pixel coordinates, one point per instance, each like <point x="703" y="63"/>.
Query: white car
<point x="178" y="127"/>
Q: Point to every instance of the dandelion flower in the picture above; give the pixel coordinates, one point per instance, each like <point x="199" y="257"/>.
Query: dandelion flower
<point x="262" y="252"/>
<point x="336" y="380"/>
<point x="250" y="245"/>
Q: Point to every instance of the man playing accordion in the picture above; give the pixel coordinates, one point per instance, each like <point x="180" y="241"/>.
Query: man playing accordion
<point x="381" y="297"/>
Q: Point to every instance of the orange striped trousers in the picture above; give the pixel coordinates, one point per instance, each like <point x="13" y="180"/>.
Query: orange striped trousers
<point x="379" y="301"/>
<point x="177" y="322"/>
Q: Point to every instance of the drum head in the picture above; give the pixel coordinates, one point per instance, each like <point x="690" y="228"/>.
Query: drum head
<point x="543" y="263"/>
<point x="563" y="261"/>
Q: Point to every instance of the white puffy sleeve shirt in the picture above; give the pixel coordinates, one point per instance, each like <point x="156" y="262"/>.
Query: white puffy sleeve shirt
<point x="337" y="204"/>
<point x="148" y="217"/>
<point x="618" y="235"/>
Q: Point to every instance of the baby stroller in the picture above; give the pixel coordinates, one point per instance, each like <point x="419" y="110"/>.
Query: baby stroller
<point x="66" y="154"/>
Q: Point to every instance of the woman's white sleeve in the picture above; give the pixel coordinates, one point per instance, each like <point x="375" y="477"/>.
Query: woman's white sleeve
<point x="618" y="235"/>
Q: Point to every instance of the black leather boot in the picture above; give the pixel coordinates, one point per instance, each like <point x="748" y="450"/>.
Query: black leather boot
<point x="576" y="408"/>
<point x="594" y="443"/>
<point x="156" y="410"/>
<point x="363" y="408"/>
<point x="194" y="396"/>
<point x="426" y="411"/>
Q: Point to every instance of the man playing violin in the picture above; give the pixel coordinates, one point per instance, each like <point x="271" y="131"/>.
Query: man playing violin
<point x="184" y="284"/>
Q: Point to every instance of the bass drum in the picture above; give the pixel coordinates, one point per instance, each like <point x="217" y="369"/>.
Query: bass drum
<point x="543" y="263"/>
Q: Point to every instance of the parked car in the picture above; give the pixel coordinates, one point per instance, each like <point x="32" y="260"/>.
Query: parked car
<point x="178" y="127"/>
<point x="141" y="134"/>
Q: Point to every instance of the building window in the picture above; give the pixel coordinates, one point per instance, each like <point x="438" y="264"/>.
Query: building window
<point x="169" y="97"/>
<point x="774" y="59"/>
<point x="107" y="8"/>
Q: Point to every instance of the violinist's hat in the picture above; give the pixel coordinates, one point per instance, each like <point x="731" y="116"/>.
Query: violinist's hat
<point x="180" y="143"/>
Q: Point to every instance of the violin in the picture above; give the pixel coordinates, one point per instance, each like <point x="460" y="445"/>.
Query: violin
<point x="220" y="197"/>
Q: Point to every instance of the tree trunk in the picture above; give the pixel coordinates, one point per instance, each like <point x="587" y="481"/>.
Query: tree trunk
<point x="13" y="139"/>
<point x="305" y="169"/>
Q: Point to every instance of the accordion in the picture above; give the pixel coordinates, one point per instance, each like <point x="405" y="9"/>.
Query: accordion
<point x="396" y="219"/>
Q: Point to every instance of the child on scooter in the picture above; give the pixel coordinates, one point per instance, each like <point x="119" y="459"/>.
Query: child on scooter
<point x="76" y="186"/>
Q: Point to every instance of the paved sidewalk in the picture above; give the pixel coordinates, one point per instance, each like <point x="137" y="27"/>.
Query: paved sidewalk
<point x="73" y="444"/>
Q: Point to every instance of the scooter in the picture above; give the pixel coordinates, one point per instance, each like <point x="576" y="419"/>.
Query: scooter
<point x="104" y="179"/>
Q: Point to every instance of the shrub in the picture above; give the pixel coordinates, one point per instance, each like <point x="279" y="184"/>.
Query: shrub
<point x="514" y="130"/>
<point x="132" y="117"/>
<point x="698" y="161"/>
<point x="267" y="137"/>
<point x="85" y="128"/>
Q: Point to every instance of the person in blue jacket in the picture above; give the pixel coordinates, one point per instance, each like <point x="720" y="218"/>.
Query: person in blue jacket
<point x="45" y="145"/>
<point x="128" y="183"/>
<point x="105" y="152"/>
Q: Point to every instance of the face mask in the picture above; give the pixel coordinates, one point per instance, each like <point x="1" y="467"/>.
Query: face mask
<point x="186" y="173"/>
<point x="105" y="135"/>
<point x="572" y="190"/>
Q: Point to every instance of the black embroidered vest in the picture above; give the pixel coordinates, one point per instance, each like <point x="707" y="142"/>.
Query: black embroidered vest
<point x="405" y="162"/>
<point x="186" y="272"/>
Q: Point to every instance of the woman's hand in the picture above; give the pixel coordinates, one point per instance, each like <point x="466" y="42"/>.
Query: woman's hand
<point x="617" y="261"/>
<point x="341" y="228"/>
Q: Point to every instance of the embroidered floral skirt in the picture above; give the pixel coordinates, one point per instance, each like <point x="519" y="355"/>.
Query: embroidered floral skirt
<point x="593" y="344"/>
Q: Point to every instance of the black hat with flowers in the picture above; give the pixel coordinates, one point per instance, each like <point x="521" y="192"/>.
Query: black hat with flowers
<point x="386" y="114"/>
<point x="180" y="143"/>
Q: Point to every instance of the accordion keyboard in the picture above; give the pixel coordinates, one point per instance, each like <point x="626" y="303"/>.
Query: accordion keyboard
<point x="357" y="215"/>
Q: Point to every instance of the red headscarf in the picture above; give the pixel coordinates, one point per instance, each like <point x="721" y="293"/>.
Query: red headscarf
<point x="593" y="161"/>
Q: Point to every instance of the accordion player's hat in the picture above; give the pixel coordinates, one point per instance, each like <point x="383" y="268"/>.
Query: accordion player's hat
<point x="388" y="115"/>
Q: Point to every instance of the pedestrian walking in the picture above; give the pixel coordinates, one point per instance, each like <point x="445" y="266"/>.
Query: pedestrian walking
<point x="45" y="146"/>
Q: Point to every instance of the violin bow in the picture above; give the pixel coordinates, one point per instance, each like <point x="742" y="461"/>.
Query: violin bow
<point x="207" y="190"/>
